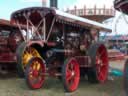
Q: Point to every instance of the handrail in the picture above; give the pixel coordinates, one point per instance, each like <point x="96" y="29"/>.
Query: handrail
<point x="91" y="11"/>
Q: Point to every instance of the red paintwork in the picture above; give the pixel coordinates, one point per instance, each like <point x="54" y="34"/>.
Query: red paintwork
<point x="7" y="58"/>
<point x="72" y="75"/>
<point x="84" y="61"/>
<point x="102" y="64"/>
<point x="35" y="74"/>
<point x="6" y="55"/>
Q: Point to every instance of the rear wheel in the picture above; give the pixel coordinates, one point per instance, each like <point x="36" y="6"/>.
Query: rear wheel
<point x="24" y="54"/>
<point x="125" y="77"/>
<point x="98" y="73"/>
<point x="71" y="75"/>
<point x="35" y="73"/>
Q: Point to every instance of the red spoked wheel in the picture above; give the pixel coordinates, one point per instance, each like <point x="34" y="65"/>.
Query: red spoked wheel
<point x="71" y="75"/>
<point x="35" y="73"/>
<point x="101" y="64"/>
<point x="99" y="58"/>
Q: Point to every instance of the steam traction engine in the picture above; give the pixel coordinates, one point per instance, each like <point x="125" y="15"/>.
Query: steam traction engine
<point x="61" y="45"/>
<point x="122" y="6"/>
<point x="10" y="38"/>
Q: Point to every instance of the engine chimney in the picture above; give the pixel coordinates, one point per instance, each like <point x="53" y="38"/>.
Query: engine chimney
<point x="54" y="3"/>
<point x="44" y="3"/>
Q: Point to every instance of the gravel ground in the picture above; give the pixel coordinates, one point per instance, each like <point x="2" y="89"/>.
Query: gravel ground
<point x="53" y="87"/>
<point x="14" y="86"/>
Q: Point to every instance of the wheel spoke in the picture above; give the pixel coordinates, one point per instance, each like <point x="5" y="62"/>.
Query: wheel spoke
<point x="101" y="76"/>
<point x="68" y="75"/>
<point x="72" y="67"/>
<point x="28" y="54"/>
<point x="71" y="81"/>
<point x="101" y="53"/>
<point x="97" y="61"/>
<point x="30" y="72"/>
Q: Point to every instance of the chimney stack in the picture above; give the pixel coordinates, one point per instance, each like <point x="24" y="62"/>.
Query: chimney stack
<point x="44" y="3"/>
<point x="54" y="3"/>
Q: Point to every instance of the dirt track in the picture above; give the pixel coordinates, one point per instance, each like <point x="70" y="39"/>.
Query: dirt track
<point x="14" y="86"/>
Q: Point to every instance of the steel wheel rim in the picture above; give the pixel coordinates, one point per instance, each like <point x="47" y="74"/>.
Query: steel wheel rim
<point x="102" y="64"/>
<point x="36" y="73"/>
<point x="28" y="54"/>
<point x="72" y="75"/>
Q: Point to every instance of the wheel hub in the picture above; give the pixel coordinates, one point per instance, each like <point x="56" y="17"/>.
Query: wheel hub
<point x="72" y="73"/>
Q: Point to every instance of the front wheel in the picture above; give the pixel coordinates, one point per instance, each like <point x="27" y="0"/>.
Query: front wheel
<point x="70" y="75"/>
<point x="35" y="73"/>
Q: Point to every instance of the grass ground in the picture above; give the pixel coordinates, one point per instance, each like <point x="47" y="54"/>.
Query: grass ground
<point x="53" y="87"/>
<point x="13" y="86"/>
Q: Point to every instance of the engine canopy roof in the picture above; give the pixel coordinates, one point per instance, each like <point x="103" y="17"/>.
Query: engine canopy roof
<point x="35" y="14"/>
